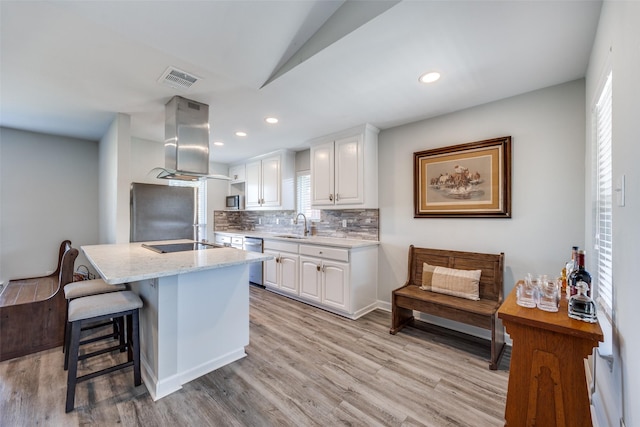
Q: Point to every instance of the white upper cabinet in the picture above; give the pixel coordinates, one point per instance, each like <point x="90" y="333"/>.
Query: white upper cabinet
<point x="344" y="169"/>
<point x="253" y="184"/>
<point x="349" y="170"/>
<point x="237" y="173"/>
<point x="322" y="174"/>
<point x="269" y="181"/>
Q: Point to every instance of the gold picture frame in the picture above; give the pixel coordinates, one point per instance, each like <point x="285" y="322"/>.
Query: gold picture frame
<point x="463" y="181"/>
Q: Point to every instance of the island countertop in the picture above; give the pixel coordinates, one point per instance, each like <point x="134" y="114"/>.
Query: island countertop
<point x="128" y="262"/>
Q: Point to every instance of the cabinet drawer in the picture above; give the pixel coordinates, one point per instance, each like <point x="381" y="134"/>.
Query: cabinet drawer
<point x="277" y="245"/>
<point x="237" y="240"/>
<point x="221" y="240"/>
<point x="325" y="252"/>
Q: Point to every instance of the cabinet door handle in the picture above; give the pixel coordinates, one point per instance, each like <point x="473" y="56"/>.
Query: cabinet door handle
<point x="331" y="197"/>
<point x="323" y="268"/>
<point x="318" y="267"/>
<point x="337" y="197"/>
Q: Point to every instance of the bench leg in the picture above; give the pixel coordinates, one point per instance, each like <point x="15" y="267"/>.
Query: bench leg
<point x="497" y="342"/>
<point x="400" y="317"/>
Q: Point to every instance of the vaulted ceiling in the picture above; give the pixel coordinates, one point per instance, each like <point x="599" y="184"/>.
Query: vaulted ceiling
<point x="67" y="67"/>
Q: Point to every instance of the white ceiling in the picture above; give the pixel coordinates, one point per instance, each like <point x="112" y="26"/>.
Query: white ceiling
<point x="68" y="66"/>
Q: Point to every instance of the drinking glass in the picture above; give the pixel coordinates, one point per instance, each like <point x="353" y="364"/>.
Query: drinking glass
<point x="549" y="294"/>
<point x="526" y="292"/>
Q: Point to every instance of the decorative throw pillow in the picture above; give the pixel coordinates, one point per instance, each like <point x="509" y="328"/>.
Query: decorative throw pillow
<point x="427" y="274"/>
<point x="459" y="283"/>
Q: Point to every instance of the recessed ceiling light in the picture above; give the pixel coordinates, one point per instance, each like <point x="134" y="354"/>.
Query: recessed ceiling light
<point x="429" y="77"/>
<point x="218" y="143"/>
<point x="240" y="133"/>
<point x="271" y="120"/>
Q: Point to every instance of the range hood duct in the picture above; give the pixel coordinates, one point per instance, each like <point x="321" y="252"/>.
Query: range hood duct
<point x="186" y="141"/>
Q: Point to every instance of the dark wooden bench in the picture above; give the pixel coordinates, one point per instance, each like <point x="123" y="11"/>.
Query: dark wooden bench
<point x="482" y="313"/>
<point x="32" y="310"/>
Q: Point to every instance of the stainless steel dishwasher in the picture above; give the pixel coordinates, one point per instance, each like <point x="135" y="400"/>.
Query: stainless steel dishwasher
<point x="254" y="244"/>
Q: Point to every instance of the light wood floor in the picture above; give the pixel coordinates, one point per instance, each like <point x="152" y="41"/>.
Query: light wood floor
<point x="305" y="367"/>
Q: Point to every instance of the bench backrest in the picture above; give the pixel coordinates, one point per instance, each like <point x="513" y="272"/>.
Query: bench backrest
<point x="67" y="265"/>
<point x="64" y="246"/>
<point x="492" y="266"/>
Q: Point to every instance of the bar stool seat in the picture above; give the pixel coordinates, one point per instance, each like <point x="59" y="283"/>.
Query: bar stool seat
<point x="123" y="304"/>
<point x="84" y="288"/>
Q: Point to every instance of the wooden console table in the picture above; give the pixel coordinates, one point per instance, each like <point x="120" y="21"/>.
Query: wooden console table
<point x="547" y="384"/>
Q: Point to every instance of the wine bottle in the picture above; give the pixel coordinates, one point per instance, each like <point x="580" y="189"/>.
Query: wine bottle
<point x="579" y="275"/>
<point x="568" y="269"/>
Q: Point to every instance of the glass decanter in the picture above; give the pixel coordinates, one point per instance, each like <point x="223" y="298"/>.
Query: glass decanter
<point x="581" y="306"/>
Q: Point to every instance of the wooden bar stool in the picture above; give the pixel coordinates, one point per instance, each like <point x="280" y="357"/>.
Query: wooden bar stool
<point x="123" y="304"/>
<point x="85" y="288"/>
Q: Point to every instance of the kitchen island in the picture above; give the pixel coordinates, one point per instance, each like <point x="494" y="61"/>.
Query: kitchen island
<point x="195" y="317"/>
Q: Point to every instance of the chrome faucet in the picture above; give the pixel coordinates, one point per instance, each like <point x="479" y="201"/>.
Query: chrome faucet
<point x="295" y="221"/>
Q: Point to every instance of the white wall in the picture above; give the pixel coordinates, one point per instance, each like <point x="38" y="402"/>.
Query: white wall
<point x="617" y="46"/>
<point x="145" y="156"/>
<point x="114" y="177"/>
<point x="303" y="160"/>
<point x="548" y="130"/>
<point x="48" y="193"/>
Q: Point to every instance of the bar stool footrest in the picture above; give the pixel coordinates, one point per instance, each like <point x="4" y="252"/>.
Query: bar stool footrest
<point x="104" y="371"/>
<point x="102" y="351"/>
<point x="101" y="337"/>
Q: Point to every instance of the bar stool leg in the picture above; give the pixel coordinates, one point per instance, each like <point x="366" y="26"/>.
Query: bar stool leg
<point x="67" y="341"/>
<point x="134" y="344"/>
<point x="66" y="332"/>
<point x="71" y="357"/>
<point x="118" y="325"/>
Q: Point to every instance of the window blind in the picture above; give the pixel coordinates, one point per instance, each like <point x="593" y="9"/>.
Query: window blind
<point x="604" y="202"/>
<point x="303" y="196"/>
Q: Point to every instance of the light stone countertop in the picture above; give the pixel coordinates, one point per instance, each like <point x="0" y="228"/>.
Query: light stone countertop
<point x="309" y="240"/>
<point x="128" y="262"/>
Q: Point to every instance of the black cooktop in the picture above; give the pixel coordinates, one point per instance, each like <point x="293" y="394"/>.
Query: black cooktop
<point x="180" y="247"/>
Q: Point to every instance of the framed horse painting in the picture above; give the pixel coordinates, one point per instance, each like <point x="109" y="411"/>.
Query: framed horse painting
<point x="463" y="181"/>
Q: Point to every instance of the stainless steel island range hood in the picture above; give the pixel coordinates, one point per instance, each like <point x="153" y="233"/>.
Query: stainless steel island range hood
<point x="186" y="144"/>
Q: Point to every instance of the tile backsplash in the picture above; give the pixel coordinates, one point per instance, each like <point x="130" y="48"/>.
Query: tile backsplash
<point x="360" y="223"/>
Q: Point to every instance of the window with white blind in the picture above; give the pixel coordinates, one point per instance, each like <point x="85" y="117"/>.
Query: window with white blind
<point x="303" y="196"/>
<point x="201" y="215"/>
<point x="604" y="200"/>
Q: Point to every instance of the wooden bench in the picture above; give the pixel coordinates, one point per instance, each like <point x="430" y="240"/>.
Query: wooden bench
<point x="32" y="310"/>
<point x="482" y="313"/>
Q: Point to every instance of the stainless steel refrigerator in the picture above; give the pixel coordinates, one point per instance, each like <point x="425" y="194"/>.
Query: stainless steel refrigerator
<point x="162" y="212"/>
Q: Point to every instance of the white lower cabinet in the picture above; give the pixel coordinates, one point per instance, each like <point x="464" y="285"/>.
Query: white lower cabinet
<point x="325" y="281"/>
<point x="310" y="279"/>
<point x="337" y="279"/>
<point x="281" y="273"/>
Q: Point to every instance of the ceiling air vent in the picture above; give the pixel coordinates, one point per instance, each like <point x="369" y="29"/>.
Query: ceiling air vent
<point x="177" y="78"/>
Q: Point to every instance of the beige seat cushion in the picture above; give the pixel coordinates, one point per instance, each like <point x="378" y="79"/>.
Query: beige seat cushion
<point x="103" y="304"/>
<point x="85" y="288"/>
